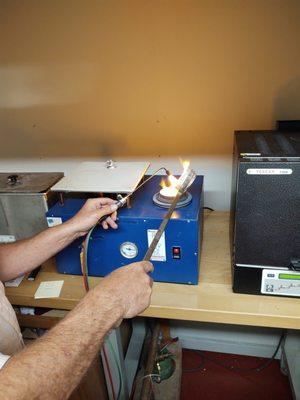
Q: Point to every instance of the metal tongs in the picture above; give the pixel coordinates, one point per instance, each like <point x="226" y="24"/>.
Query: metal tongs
<point x="184" y="182"/>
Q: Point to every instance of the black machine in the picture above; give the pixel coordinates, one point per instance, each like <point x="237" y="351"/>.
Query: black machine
<point x="265" y="211"/>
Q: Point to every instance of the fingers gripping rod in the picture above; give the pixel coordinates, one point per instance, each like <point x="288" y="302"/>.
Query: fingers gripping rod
<point x="184" y="182"/>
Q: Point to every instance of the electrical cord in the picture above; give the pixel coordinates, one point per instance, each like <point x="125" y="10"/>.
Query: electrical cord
<point x="85" y="245"/>
<point x="259" y="368"/>
<point x="85" y="276"/>
<point x="208" y="208"/>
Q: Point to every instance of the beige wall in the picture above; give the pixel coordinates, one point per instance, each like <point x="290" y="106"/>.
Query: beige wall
<point x="145" y="77"/>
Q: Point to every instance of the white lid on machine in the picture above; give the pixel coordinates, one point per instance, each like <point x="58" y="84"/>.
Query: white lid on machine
<point x="103" y="177"/>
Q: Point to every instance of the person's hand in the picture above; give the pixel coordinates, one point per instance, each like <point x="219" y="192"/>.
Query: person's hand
<point x="130" y="287"/>
<point x="91" y="212"/>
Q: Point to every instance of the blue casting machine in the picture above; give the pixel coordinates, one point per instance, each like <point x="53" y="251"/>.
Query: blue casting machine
<point x="177" y="255"/>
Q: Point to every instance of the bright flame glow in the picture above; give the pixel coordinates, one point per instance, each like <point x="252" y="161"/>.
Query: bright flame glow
<point x="163" y="184"/>
<point x="169" y="189"/>
<point x="185" y="164"/>
<point x="173" y="181"/>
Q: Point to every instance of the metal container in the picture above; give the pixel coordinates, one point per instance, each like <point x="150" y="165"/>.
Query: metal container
<point x="24" y="200"/>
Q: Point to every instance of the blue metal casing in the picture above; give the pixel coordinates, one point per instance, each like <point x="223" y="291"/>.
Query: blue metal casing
<point x="183" y="231"/>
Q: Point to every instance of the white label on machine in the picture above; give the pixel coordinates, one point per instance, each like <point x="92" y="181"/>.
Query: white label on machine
<point x="159" y="253"/>
<point x="280" y="282"/>
<point x="7" y="238"/>
<point x="53" y="221"/>
<point x="269" y="171"/>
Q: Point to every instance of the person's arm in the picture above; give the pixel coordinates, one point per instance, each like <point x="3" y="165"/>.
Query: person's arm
<point x="53" y="366"/>
<point x="25" y="255"/>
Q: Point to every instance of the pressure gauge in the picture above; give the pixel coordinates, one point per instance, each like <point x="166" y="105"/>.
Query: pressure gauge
<point x="129" y="250"/>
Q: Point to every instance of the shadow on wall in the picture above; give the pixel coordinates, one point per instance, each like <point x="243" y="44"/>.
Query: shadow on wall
<point x="287" y="101"/>
<point x="77" y="130"/>
<point x="45" y="137"/>
<point x="67" y="110"/>
<point x="70" y="130"/>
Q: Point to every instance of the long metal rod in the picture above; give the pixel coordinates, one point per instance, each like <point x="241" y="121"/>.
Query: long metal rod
<point x="162" y="227"/>
<point x="150" y="177"/>
<point x="122" y="202"/>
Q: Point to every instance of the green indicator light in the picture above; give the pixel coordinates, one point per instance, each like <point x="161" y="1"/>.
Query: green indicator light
<point x="289" y="276"/>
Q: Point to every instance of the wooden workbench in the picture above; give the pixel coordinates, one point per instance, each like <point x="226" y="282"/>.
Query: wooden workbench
<point x="210" y="301"/>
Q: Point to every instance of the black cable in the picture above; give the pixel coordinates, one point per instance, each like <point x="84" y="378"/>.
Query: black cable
<point x="259" y="368"/>
<point x="268" y="362"/>
<point x="208" y="208"/>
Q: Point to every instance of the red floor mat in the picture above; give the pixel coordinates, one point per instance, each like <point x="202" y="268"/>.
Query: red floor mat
<point x="214" y="381"/>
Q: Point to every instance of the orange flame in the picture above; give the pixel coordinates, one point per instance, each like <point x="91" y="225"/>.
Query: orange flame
<point x="172" y="180"/>
<point x="163" y="183"/>
<point x="185" y="164"/>
<point x="168" y="188"/>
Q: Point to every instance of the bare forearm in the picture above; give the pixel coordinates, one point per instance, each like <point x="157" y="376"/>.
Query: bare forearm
<point x="25" y="255"/>
<point x="53" y="366"/>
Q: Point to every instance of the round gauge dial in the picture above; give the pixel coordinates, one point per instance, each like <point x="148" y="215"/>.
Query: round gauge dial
<point x="128" y="250"/>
